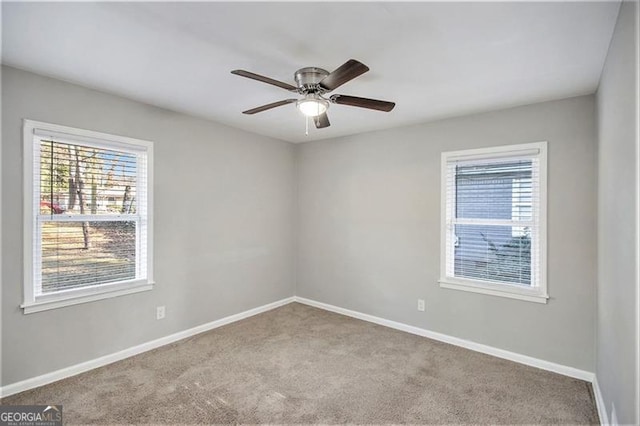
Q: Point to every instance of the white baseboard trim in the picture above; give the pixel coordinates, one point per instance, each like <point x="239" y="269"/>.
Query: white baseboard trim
<point x="602" y="409"/>
<point x="478" y="347"/>
<point x="73" y="370"/>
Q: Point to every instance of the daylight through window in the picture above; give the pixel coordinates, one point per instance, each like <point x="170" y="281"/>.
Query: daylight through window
<point x="90" y="222"/>
<point x="493" y="226"/>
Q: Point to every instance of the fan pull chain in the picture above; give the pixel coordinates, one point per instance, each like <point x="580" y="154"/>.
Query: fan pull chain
<point x="306" y="130"/>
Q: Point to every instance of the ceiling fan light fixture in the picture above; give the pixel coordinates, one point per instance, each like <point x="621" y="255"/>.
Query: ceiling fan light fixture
<point x="312" y="105"/>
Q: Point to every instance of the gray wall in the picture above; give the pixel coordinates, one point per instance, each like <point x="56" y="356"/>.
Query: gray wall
<point x="224" y="208"/>
<point x="617" y="114"/>
<point x="369" y="229"/>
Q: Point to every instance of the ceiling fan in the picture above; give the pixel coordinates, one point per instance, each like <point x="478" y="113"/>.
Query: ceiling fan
<point x="313" y="83"/>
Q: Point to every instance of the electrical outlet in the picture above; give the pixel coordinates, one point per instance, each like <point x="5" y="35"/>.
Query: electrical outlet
<point x="421" y="305"/>
<point x="160" y="312"/>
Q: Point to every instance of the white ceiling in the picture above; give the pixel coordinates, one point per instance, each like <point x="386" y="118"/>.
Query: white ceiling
<point x="433" y="59"/>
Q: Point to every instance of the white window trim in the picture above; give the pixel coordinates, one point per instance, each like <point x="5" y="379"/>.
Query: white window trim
<point x="82" y="295"/>
<point x="538" y="294"/>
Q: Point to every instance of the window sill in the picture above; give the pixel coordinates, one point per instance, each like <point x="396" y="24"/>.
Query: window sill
<point x="495" y="290"/>
<point x="89" y="296"/>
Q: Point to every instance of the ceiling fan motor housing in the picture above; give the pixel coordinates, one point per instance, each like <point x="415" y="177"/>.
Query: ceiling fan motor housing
<point x="308" y="78"/>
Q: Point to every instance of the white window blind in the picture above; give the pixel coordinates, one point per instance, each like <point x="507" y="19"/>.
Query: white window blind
<point x="90" y="215"/>
<point x="492" y="219"/>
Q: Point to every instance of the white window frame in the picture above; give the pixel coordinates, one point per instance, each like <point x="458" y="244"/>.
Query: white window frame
<point x="536" y="293"/>
<point x="31" y="208"/>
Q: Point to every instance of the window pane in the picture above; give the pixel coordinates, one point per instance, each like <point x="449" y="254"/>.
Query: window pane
<point x="493" y="253"/>
<point x="69" y="260"/>
<point x="494" y="191"/>
<point x="76" y="179"/>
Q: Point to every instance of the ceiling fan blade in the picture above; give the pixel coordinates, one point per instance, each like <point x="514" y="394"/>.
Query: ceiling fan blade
<point x="253" y="76"/>
<point x="363" y="102"/>
<point x="322" y="121"/>
<point x="269" y="106"/>
<point x="345" y="72"/>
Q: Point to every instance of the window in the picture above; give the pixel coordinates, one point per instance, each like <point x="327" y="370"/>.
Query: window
<point x="88" y="222"/>
<point x="493" y="221"/>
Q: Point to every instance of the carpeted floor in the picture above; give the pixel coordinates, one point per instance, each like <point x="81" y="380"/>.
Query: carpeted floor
<point x="298" y="364"/>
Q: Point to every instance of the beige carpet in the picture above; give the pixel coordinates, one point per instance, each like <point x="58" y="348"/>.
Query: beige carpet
<point x="298" y="364"/>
